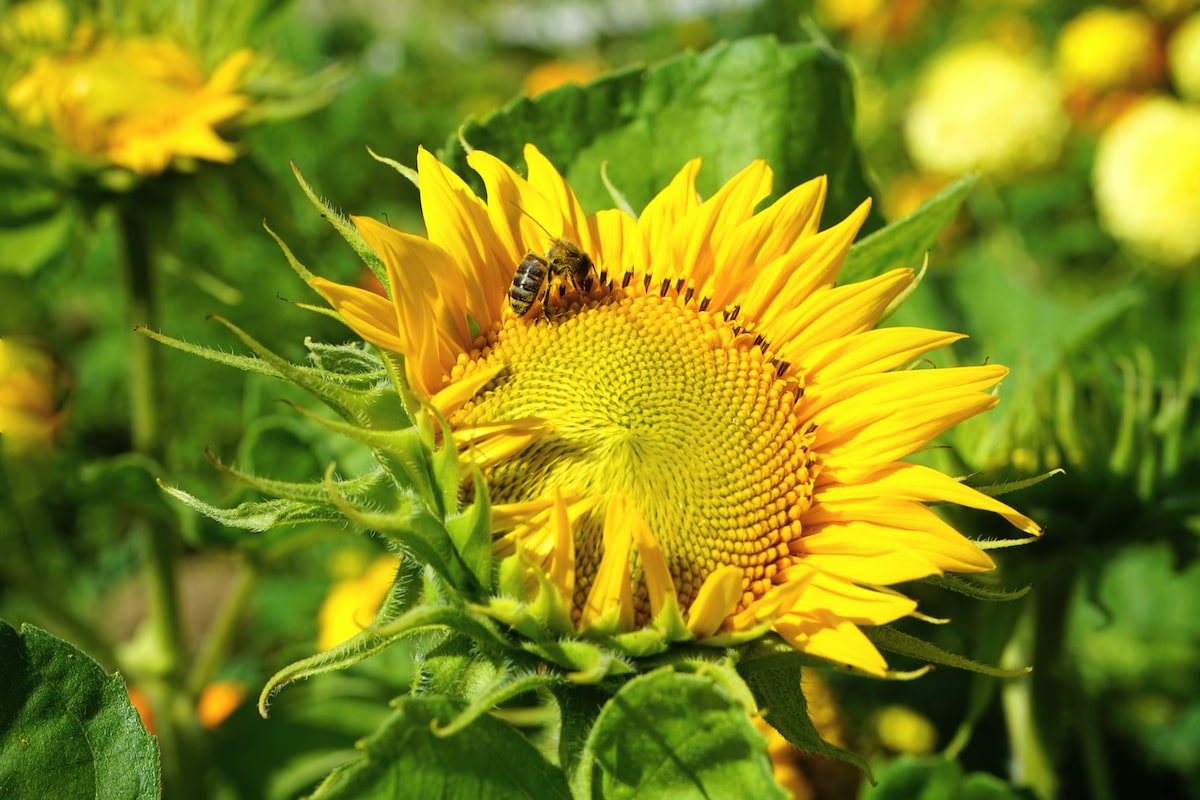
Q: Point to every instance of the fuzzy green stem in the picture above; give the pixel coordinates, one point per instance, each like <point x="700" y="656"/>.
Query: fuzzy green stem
<point x="183" y="771"/>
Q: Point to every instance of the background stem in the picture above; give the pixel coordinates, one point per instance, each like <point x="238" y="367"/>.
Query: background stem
<point x="163" y="666"/>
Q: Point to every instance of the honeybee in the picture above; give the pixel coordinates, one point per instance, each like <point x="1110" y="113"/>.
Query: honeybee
<point x="535" y="275"/>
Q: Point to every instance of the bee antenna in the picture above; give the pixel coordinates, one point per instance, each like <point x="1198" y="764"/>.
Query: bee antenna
<point x="532" y="218"/>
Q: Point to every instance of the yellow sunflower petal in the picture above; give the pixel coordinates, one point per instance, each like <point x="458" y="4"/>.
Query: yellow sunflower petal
<point x="695" y="236"/>
<point x="546" y="180"/>
<point x="458" y="222"/>
<point x="811" y="263"/>
<point x="835" y="312"/>
<point x="838" y="640"/>
<point x="918" y="482"/>
<point x="834" y="596"/>
<point x="771" y="233"/>
<point x="560" y="567"/>
<point x="523" y="218"/>
<point x="621" y="246"/>
<point x="665" y="211"/>
<point x="656" y="572"/>
<point x="717" y="598"/>
<point x="370" y="315"/>
<point x="610" y="588"/>
<point x="902" y="522"/>
<point x="868" y="352"/>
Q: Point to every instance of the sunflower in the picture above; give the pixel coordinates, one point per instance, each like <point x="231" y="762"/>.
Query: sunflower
<point x="138" y="102"/>
<point x="695" y="433"/>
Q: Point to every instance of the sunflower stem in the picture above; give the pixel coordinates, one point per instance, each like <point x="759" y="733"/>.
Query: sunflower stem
<point x="216" y="643"/>
<point x="162" y="663"/>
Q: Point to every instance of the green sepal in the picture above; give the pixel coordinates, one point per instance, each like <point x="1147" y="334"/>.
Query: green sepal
<point x="671" y="734"/>
<point x="401" y="452"/>
<point x="244" y="363"/>
<point x="379" y="404"/>
<point x="447" y="473"/>
<point x="470" y="532"/>
<point x="363" y="645"/>
<point x="774" y="680"/>
<point x="906" y="242"/>
<point x="411" y="526"/>
<point x="367" y="488"/>
<point x="586" y="662"/>
<point x="344" y="227"/>
<point x="507" y="687"/>
<point x="409" y="174"/>
<point x="979" y="591"/>
<point x="894" y="641"/>
<point x="260" y="515"/>
<point x="405" y="758"/>
<point x="1001" y="489"/>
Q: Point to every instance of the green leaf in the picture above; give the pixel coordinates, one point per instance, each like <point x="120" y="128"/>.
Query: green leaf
<point x="939" y="779"/>
<point x="775" y="682"/>
<point x="66" y="728"/>
<point x="406" y="759"/>
<point x="28" y="245"/>
<point x="791" y="104"/>
<point x="905" y="242"/>
<point x="675" y="734"/>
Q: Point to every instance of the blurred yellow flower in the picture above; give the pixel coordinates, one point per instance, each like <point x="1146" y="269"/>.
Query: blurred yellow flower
<point x="34" y="23"/>
<point x="981" y="107"/>
<point x="1183" y="58"/>
<point x="140" y="102"/>
<point x="903" y="730"/>
<point x="1145" y="179"/>
<point x="869" y="20"/>
<point x="1105" y="48"/>
<point x="29" y="408"/>
<point x="550" y="75"/>
<point x="218" y="700"/>
<point x="352" y="603"/>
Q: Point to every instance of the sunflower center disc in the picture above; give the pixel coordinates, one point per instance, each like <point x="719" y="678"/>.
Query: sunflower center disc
<point x="651" y="398"/>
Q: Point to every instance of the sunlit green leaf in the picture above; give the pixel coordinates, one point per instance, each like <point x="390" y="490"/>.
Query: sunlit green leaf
<point x="406" y="759"/>
<point x="66" y="728"/>
<point x="790" y="104"/>
<point x="675" y="734"/>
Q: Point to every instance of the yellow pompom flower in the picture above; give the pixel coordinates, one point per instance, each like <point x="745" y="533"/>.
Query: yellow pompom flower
<point x="1145" y="177"/>
<point x="352" y="603"/>
<point x="699" y="432"/>
<point x="1183" y="58"/>
<point x="981" y="107"/>
<point x="1106" y="48"/>
<point x="139" y="102"/>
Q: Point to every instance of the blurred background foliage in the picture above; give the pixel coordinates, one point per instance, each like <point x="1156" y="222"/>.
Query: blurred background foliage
<point x="1075" y="261"/>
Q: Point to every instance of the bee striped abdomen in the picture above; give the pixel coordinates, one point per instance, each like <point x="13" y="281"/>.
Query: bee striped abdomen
<point x="528" y="283"/>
